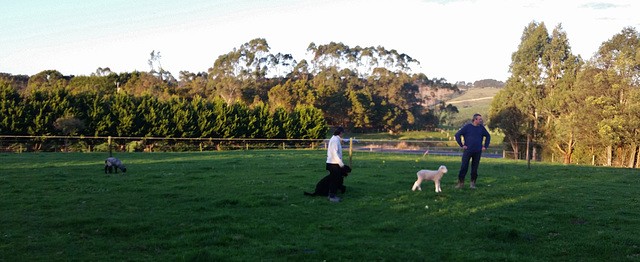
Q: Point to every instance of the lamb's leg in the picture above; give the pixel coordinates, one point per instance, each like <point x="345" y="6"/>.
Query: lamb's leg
<point x="417" y="185"/>
<point x="437" y="183"/>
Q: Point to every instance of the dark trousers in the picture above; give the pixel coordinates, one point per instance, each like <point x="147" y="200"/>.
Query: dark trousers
<point x="475" y="162"/>
<point x="334" y="174"/>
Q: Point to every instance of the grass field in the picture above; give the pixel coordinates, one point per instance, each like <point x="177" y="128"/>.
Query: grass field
<point x="249" y="206"/>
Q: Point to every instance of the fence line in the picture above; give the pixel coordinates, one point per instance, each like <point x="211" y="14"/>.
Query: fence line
<point x="26" y="143"/>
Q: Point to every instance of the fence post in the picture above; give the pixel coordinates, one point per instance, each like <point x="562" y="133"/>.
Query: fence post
<point x="350" y="149"/>
<point x="109" y="146"/>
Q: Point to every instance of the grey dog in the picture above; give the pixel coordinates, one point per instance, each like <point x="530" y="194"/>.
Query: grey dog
<point x="113" y="162"/>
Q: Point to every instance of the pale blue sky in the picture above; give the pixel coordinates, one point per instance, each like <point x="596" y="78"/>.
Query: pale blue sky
<point x="463" y="40"/>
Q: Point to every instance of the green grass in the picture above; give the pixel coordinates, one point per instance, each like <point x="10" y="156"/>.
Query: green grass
<point x="249" y="206"/>
<point x="468" y="97"/>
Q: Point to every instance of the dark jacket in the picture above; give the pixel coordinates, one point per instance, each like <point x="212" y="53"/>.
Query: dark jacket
<point x="473" y="137"/>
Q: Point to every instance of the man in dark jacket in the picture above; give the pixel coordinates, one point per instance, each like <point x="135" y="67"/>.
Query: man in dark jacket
<point x="473" y="134"/>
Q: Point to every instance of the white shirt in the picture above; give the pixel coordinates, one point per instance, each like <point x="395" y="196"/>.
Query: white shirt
<point x="334" y="151"/>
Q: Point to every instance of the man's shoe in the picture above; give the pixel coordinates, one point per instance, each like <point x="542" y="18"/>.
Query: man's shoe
<point x="334" y="199"/>
<point x="473" y="185"/>
<point x="460" y="183"/>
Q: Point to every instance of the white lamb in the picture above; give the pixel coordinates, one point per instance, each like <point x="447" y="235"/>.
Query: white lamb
<point x="432" y="175"/>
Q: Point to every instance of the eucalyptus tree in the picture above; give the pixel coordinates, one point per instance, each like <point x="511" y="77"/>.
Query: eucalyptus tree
<point x="559" y="99"/>
<point x="300" y="71"/>
<point x="140" y="83"/>
<point x="281" y="64"/>
<point x="447" y="112"/>
<point x="388" y="86"/>
<point x="102" y="83"/>
<point x="361" y="111"/>
<point x="18" y="82"/>
<point x="292" y="93"/>
<point x="527" y="80"/>
<point x="505" y="115"/>
<point x="619" y="58"/>
<point x="232" y="71"/>
<point x="595" y="100"/>
<point x="328" y="56"/>
<point x="331" y="96"/>
<point x="194" y="83"/>
<point x="102" y="71"/>
<point x="47" y="80"/>
<point x="364" y="61"/>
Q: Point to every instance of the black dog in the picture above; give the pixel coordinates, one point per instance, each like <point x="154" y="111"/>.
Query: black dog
<point x="112" y="162"/>
<point x="322" y="188"/>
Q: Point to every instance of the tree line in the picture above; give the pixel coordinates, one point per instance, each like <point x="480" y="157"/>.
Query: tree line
<point x="556" y="104"/>
<point x="360" y="88"/>
<point x="58" y="112"/>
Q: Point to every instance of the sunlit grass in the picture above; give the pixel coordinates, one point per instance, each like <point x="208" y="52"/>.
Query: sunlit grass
<point x="249" y="206"/>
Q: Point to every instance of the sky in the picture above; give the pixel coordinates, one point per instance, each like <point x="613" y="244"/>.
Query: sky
<point x="458" y="40"/>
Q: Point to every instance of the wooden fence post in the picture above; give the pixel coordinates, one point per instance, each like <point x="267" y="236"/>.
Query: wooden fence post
<point x="350" y="149"/>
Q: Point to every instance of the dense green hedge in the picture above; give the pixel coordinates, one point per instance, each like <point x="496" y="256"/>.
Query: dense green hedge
<point x="146" y="116"/>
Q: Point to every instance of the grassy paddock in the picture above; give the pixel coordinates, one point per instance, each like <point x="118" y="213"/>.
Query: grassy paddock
<point x="249" y="206"/>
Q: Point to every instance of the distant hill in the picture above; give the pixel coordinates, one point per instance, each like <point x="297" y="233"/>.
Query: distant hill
<point x="481" y="84"/>
<point x="470" y="101"/>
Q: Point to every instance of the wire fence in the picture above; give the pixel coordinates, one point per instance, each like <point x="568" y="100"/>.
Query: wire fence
<point x="21" y="144"/>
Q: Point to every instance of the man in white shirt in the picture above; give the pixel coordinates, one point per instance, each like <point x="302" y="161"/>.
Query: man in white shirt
<point x="334" y="162"/>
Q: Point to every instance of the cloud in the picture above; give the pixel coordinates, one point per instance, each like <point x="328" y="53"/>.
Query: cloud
<point x="599" y="6"/>
<point x="444" y="2"/>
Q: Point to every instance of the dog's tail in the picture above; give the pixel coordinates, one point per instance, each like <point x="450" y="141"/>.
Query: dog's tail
<point x="309" y="194"/>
